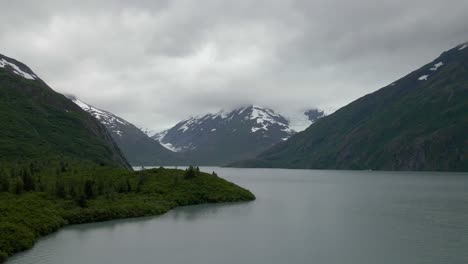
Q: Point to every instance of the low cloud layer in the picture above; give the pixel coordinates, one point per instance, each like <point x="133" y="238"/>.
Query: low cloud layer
<point x="156" y="62"/>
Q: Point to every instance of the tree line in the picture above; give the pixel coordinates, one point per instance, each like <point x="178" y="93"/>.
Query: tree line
<point x="66" y="181"/>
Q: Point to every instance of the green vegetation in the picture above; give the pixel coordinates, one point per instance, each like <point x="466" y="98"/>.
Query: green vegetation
<point x="411" y="124"/>
<point x="59" y="166"/>
<point x="40" y="197"/>
<point x="36" y="122"/>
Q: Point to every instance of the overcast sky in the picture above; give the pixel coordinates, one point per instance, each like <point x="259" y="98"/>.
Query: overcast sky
<point x="156" y="62"/>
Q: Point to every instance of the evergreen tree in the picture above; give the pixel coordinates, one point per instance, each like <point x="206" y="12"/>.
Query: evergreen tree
<point x="81" y="201"/>
<point x="89" y="189"/>
<point x="123" y="187"/>
<point x="28" y="180"/>
<point x="60" y="189"/>
<point x="100" y="186"/>
<point x="63" y="166"/>
<point x="190" y="172"/>
<point x="19" y="186"/>
<point x="139" y="184"/>
<point x="129" y="186"/>
<point x="4" y="181"/>
<point x="73" y="193"/>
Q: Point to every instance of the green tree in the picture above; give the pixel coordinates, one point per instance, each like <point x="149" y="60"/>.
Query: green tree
<point x="60" y="189"/>
<point x="19" y="186"/>
<point x="190" y="172"/>
<point x="100" y="186"/>
<point x="28" y="180"/>
<point x="73" y="193"/>
<point x="81" y="201"/>
<point x="89" y="189"/>
<point x="129" y="186"/>
<point x="4" y="181"/>
<point x="124" y="187"/>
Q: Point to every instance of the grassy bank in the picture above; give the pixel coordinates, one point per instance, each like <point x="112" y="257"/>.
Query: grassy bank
<point x="100" y="194"/>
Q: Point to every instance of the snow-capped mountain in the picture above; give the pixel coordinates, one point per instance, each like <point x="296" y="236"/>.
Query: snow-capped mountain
<point x="418" y="122"/>
<point x="16" y="67"/>
<point x="113" y="123"/>
<point x="138" y="148"/>
<point x="216" y="139"/>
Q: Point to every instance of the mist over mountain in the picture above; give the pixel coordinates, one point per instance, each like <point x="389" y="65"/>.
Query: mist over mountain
<point x="215" y="139"/>
<point x="418" y="122"/>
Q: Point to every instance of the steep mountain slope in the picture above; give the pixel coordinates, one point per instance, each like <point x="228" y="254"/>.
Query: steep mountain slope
<point x="419" y="122"/>
<point x="37" y="122"/>
<point x="215" y="139"/>
<point x="137" y="147"/>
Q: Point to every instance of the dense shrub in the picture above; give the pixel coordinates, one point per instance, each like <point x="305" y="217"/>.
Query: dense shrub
<point x="89" y="194"/>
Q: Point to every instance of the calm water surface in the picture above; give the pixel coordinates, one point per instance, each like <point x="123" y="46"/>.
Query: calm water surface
<point x="300" y="216"/>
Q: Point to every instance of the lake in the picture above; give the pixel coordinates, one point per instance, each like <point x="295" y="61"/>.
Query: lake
<point x="300" y="216"/>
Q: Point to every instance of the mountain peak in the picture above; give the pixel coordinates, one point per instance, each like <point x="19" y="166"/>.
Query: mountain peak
<point x="15" y="67"/>
<point x="225" y="135"/>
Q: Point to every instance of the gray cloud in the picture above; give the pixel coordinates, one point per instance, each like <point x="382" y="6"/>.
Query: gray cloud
<point x="156" y="62"/>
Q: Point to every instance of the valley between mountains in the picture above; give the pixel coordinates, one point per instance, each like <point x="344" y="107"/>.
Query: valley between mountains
<point x="64" y="161"/>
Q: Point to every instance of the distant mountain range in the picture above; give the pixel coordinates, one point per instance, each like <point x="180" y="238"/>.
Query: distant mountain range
<point x="137" y="147"/>
<point x="213" y="139"/>
<point x="419" y="122"/>
<point x="38" y="123"/>
<point x="217" y="139"/>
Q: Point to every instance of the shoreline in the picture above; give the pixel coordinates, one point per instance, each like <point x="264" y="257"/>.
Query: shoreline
<point x="31" y="216"/>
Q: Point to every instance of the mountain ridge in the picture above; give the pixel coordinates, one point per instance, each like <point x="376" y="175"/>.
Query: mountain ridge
<point x="38" y="122"/>
<point x="212" y="139"/>
<point x="137" y="147"/>
<point x="418" y="122"/>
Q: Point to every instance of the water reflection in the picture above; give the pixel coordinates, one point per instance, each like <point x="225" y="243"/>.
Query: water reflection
<point x="198" y="212"/>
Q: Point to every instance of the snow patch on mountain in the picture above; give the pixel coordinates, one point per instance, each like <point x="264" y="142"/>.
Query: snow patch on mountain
<point x="160" y="136"/>
<point x="423" y="78"/>
<point x="111" y="121"/>
<point x="17" y="70"/>
<point x="463" y="46"/>
<point x="253" y="119"/>
<point x="437" y="66"/>
<point x="170" y="147"/>
<point x="265" y="118"/>
<point x="148" y="132"/>
<point x="221" y="114"/>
